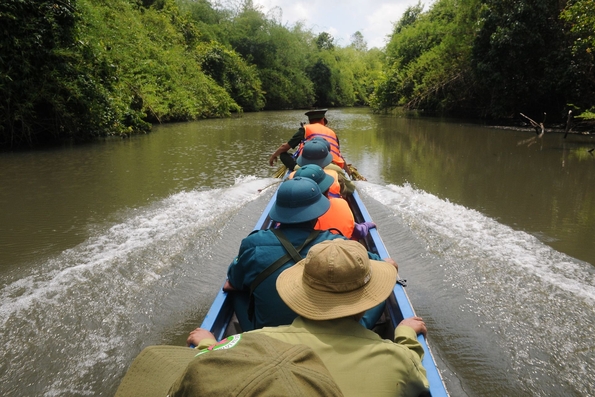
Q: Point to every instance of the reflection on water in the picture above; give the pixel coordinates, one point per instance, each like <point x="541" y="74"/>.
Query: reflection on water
<point x="545" y="189"/>
<point x="110" y="247"/>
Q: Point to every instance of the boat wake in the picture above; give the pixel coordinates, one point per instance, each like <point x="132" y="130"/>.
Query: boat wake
<point x="80" y="317"/>
<point x="493" y="296"/>
<point x="529" y="300"/>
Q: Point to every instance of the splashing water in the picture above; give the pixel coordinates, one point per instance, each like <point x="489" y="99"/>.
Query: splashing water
<point x="71" y="325"/>
<point x="536" y="303"/>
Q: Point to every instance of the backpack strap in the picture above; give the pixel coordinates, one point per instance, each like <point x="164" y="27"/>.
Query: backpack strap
<point x="292" y="253"/>
<point x="289" y="248"/>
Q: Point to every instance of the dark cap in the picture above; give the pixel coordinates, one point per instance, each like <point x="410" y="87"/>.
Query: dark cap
<point x="316" y="114"/>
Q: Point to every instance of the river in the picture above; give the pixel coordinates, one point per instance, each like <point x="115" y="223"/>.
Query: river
<point x="109" y="247"/>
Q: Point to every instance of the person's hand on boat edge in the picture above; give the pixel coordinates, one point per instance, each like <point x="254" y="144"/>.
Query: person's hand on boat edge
<point x="392" y="262"/>
<point x="228" y="287"/>
<point x="417" y="324"/>
<point x="198" y="335"/>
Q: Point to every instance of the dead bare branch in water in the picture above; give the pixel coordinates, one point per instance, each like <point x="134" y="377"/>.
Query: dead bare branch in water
<point x="539" y="130"/>
<point x="539" y="127"/>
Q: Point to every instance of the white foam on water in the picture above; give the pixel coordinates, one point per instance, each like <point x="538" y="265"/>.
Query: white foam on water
<point x="175" y="216"/>
<point x="532" y="298"/>
<point x="454" y="231"/>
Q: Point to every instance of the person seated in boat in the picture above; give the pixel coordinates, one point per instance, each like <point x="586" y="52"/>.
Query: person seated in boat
<point x="316" y="127"/>
<point x="339" y="216"/>
<point x="330" y="290"/>
<point x="264" y="254"/>
<point x="250" y="365"/>
<point x="317" y="152"/>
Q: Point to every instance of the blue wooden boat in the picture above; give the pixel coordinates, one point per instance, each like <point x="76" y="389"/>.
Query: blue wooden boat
<point x="219" y="317"/>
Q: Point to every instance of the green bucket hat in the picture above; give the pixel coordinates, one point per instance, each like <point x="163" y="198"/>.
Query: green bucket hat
<point x="315" y="152"/>
<point x="317" y="174"/>
<point x="241" y="365"/>
<point x="298" y="200"/>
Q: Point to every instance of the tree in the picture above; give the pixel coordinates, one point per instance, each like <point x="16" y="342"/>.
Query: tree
<point x="279" y="55"/>
<point x="580" y="19"/>
<point x="50" y="83"/>
<point x="325" y="41"/>
<point x="427" y="59"/>
<point x="519" y="57"/>
<point x="358" y="42"/>
<point x="232" y="73"/>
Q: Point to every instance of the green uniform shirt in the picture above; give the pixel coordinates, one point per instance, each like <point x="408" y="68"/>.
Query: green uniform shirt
<point x="298" y="137"/>
<point x="362" y="363"/>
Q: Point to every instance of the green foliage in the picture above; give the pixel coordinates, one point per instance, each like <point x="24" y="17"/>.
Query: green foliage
<point x="580" y="22"/>
<point x="80" y="69"/>
<point x="157" y="76"/>
<point x="49" y="89"/>
<point x="426" y="58"/>
<point x="358" y="42"/>
<point x="587" y="115"/>
<point x="206" y="19"/>
<point x="490" y="58"/>
<point x="278" y="53"/>
<point x="232" y="73"/>
<point x="324" y="41"/>
<point x="409" y="17"/>
<point x="518" y="57"/>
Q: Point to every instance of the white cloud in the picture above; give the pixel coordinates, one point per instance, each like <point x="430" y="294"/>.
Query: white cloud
<point x="374" y="19"/>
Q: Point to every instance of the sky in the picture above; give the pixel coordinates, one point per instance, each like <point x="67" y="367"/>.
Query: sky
<point x="342" y="18"/>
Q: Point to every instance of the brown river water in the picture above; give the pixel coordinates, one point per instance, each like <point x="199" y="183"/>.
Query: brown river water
<point x="109" y="247"/>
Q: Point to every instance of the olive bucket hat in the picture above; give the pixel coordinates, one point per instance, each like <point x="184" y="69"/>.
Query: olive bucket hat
<point x="317" y="174"/>
<point x="247" y="365"/>
<point x="336" y="279"/>
<point x="315" y="152"/>
<point x="298" y="200"/>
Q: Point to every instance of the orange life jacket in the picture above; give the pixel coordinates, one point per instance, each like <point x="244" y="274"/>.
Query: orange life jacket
<point x="319" y="130"/>
<point x="339" y="216"/>
<point x="335" y="189"/>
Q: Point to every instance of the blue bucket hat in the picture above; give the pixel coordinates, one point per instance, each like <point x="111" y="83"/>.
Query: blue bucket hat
<point x="315" y="152"/>
<point x="321" y="139"/>
<point x="317" y="174"/>
<point x="298" y="200"/>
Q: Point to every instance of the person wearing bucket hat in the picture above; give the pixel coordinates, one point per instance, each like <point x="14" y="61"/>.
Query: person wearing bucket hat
<point x="330" y="289"/>
<point x="242" y="365"/>
<point x="315" y="152"/>
<point x="339" y="215"/>
<point x="339" y="219"/>
<point x="317" y="127"/>
<point x="297" y="206"/>
<point x="321" y="177"/>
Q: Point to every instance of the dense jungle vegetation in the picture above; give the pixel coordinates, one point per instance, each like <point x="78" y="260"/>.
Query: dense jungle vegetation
<point x="76" y="70"/>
